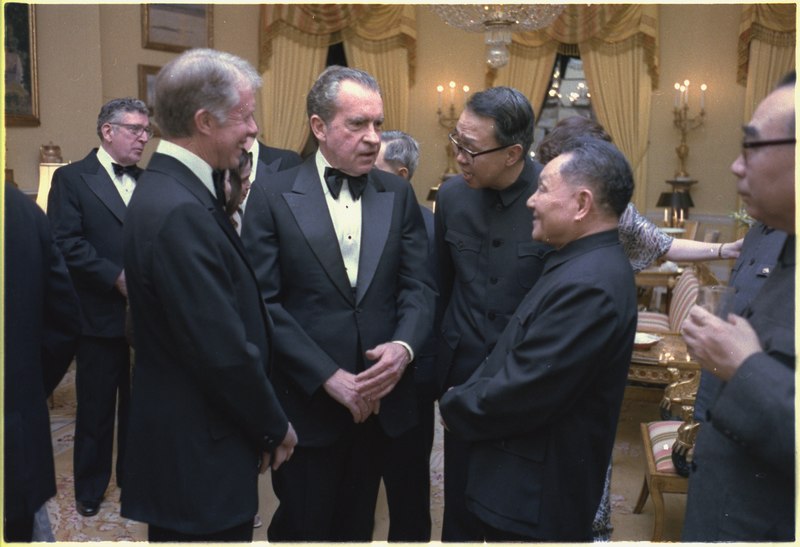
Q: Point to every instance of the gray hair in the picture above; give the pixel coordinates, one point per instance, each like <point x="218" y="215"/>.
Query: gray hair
<point x="112" y="111"/>
<point x="512" y="114"/>
<point x="324" y="93"/>
<point x="601" y="166"/>
<point x="401" y="150"/>
<point x="200" y="79"/>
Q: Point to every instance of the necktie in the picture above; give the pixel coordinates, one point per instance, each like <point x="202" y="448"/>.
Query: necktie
<point x="218" y="176"/>
<point x="132" y="170"/>
<point x="334" y="179"/>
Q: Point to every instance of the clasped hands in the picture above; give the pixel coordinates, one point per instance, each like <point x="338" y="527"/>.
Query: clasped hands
<point x="720" y="345"/>
<point x="362" y="393"/>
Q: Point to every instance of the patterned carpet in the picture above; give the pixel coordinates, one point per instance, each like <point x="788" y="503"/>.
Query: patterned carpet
<point x="640" y="404"/>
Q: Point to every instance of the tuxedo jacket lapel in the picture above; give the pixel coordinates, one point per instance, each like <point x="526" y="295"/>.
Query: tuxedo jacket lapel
<point x="307" y="204"/>
<point x="101" y="184"/>
<point x="376" y="218"/>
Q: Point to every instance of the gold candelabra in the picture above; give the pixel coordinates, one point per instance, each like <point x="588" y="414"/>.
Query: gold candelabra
<point x="448" y="119"/>
<point x="685" y="123"/>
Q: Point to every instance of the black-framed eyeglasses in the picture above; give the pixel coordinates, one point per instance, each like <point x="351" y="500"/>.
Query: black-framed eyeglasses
<point x="747" y="145"/>
<point x="459" y="148"/>
<point x="136" y="130"/>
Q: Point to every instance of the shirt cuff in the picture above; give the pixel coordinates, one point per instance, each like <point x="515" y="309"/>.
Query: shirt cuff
<point x="408" y="349"/>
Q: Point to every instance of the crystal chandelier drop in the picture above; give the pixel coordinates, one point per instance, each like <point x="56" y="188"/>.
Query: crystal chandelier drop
<point x="498" y="21"/>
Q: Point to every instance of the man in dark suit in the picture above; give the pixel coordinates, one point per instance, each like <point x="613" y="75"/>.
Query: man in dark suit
<point x="487" y="261"/>
<point x="340" y="252"/>
<point x="87" y="206"/>
<point x="41" y="333"/>
<point x="204" y="416"/>
<point x="540" y="414"/>
<point x="406" y="460"/>
<point x="742" y="485"/>
<point x="276" y="159"/>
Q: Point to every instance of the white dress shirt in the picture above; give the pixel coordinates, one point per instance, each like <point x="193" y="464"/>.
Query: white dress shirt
<point x="124" y="183"/>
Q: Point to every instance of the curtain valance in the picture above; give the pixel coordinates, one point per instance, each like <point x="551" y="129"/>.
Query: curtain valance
<point x="773" y="24"/>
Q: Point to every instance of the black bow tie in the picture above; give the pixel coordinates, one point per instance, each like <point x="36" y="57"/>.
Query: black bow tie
<point x="218" y="176"/>
<point x="132" y="170"/>
<point x="334" y="178"/>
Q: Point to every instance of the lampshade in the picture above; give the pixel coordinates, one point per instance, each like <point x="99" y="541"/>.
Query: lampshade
<point x="46" y="171"/>
<point x="675" y="200"/>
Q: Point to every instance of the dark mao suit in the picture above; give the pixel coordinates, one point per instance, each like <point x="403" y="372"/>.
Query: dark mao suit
<point x="323" y="324"/>
<point x="87" y="212"/>
<point x="541" y="412"/>
<point x="202" y="408"/>
<point x="42" y="324"/>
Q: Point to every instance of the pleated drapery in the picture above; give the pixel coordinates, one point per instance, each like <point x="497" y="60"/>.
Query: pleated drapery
<point x="294" y="41"/>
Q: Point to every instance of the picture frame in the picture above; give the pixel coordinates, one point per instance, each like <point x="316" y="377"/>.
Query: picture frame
<point x="147" y="80"/>
<point x="177" y="27"/>
<point x="22" y="79"/>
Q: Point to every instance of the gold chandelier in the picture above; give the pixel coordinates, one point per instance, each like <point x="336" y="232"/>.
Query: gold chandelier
<point x="498" y="21"/>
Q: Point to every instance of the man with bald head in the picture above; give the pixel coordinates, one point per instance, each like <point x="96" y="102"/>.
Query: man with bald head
<point x="742" y="486"/>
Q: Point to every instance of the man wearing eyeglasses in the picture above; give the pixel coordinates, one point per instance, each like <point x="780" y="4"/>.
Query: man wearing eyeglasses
<point x="742" y="486"/>
<point x="487" y="260"/>
<point x="86" y="207"/>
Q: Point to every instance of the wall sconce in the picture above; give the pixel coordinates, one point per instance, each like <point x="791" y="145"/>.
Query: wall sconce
<point x="448" y="119"/>
<point x="685" y="123"/>
<point x="49" y="160"/>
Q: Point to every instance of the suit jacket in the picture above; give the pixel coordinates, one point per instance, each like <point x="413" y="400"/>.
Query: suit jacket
<point x="742" y="487"/>
<point x="41" y="331"/>
<point x="86" y="213"/>
<point x="278" y="159"/>
<point x="321" y="323"/>
<point x="542" y="410"/>
<point x="487" y="263"/>
<point x="202" y="408"/>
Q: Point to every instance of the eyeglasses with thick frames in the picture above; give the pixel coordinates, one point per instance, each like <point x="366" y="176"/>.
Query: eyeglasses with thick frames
<point x="747" y="145"/>
<point x="136" y="130"/>
<point x="459" y="148"/>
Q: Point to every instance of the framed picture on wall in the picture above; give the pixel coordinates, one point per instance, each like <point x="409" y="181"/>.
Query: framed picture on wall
<point x="147" y="87"/>
<point x="177" y="27"/>
<point x="22" y="82"/>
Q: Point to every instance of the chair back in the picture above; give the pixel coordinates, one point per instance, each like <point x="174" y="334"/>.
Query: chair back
<point x="691" y="227"/>
<point x="684" y="296"/>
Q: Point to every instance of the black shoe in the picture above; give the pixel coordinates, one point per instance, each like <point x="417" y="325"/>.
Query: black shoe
<point x="87" y="508"/>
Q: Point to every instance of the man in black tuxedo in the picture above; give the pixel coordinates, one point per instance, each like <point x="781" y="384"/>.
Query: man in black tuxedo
<point x="406" y="460"/>
<point x="41" y="333"/>
<point x="204" y="416"/>
<point x="275" y="159"/>
<point x="540" y="413"/>
<point x="340" y="252"/>
<point x="87" y="206"/>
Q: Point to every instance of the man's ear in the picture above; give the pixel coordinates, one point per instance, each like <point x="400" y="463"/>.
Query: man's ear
<point x="513" y="154"/>
<point x="106" y="130"/>
<point x="204" y="121"/>
<point x="403" y="172"/>
<point x="317" y="127"/>
<point x="585" y="201"/>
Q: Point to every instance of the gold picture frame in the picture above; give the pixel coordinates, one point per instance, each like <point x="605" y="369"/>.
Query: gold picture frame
<point x="22" y="79"/>
<point x="147" y="79"/>
<point x="177" y="27"/>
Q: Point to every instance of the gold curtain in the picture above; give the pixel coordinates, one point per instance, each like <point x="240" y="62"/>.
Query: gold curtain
<point x="767" y="38"/>
<point x="293" y="47"/>
<point x="619" y="48"/>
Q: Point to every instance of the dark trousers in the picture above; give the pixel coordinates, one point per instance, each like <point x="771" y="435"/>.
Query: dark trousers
<point x="103" y="384"/>
<point x="18" y="529"/>
<point x="458" y="524"/>
<point x="329" y="493"/>
<point x="241" y="533"/>
<point x="407" y="478"/>
<point x="491" y="534"/>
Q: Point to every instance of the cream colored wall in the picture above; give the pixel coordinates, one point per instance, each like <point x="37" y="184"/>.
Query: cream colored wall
<point x="76" y="75"/>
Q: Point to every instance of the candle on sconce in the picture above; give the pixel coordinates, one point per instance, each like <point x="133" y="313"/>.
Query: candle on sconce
<point x="703" y="96"/>
<point x="452" y="93"/>
<point x="686" y="95"/>
<point x="439" y="90"/>
<point x="466" y="93"/>
<point x="677" y="94"/>
<point x="666" y="216"/>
